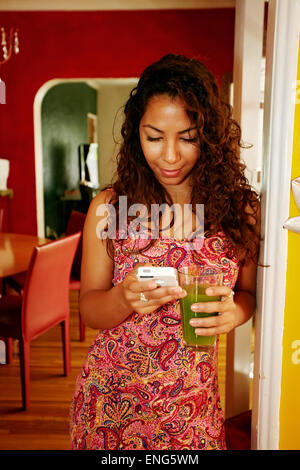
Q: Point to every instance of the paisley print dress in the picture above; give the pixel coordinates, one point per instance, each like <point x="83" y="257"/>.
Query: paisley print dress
<point x="139" y="387"/>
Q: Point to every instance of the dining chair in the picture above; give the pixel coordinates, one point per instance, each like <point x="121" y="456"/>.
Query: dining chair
<point x="75" y="224"/>
<point x="44" y="304"/>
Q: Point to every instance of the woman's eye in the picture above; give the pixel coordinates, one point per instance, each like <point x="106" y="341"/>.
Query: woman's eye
<point x="183" y="139"/>
<point x="153" y="139"/>
<point x="192" y="140"/>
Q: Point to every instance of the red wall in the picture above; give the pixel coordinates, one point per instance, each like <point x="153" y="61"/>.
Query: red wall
<point x="85" y="45"/>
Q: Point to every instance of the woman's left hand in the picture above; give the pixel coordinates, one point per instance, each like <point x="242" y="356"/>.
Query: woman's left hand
<point x="224" y="322"/>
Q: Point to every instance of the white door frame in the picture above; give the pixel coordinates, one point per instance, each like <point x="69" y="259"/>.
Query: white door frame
<point x="248" y="48"/>
<point x="281" y="69"/>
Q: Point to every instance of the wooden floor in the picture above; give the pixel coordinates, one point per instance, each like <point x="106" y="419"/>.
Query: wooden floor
<point x="45" y="426"/>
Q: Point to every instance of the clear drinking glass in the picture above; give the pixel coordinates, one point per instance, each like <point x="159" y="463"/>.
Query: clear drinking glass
<point x="195" y="280"/>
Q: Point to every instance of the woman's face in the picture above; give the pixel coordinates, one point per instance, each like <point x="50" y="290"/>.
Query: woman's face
<point x="169" y="140"/>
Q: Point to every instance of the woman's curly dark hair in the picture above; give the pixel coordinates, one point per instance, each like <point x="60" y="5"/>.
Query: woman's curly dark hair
<point x="218" y="179"/>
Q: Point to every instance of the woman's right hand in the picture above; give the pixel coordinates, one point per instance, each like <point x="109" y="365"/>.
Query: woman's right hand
<point x="156" y="296"/>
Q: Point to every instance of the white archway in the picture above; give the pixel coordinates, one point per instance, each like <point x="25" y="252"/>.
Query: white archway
<point x="111" y="95"/>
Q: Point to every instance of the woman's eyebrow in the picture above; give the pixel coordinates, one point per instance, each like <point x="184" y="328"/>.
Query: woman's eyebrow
<point x="187" y="130"/>
<point x="152" y="127"/>
<point x="180" y="132"/>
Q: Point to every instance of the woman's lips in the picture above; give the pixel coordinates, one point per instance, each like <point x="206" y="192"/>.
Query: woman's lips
<point x="170" y="173"/>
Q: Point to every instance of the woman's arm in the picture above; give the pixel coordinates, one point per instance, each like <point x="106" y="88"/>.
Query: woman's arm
<point x="103" y="305"/>
<point x="233" y="311"/>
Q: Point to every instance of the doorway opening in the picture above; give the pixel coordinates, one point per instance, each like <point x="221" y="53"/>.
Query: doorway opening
<point x="74" y="118"/>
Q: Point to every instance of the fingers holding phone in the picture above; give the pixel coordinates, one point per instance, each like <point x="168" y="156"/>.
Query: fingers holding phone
<point x="166" y="279"/>
<point x="148" y="287"/>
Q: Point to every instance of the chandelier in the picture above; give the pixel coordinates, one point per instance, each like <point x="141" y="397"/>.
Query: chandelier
<point x="8" y="45"/>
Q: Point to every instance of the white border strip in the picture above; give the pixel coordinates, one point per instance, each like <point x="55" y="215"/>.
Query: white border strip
<point x="281" y="69"/>
<point x="20" y="5"/>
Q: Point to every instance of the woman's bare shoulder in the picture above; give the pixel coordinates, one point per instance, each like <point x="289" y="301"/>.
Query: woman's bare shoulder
<point x="104" y="197"/>
<point x="98" y="203"/>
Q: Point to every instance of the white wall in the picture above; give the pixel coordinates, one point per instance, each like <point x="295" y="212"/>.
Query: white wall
<point x="112" y="96"/>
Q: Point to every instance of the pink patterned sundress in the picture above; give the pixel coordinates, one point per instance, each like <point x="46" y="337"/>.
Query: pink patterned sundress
<point x="140" y="388"/>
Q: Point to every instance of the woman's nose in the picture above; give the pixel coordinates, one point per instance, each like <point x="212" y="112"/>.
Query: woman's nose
<point x="170" y="153"/>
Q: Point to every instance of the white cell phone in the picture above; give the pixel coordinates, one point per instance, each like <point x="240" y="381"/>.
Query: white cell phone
<point x="163" y="276"/>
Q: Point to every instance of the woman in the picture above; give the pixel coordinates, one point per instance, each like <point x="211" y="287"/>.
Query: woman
<point x="140" y="387"/>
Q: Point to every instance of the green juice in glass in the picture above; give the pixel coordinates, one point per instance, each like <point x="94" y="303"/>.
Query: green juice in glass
<point x="195" y="294"/>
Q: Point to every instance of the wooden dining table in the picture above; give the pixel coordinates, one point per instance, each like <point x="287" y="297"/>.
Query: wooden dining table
<point x="15" y="252"/>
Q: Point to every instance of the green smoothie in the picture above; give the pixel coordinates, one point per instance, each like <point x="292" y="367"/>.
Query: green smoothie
<point x="194" y="295"/>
